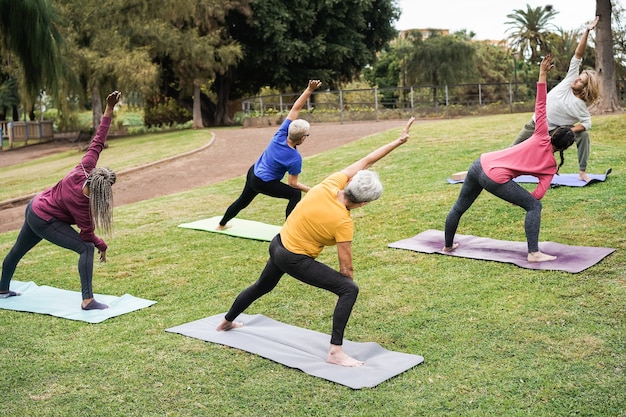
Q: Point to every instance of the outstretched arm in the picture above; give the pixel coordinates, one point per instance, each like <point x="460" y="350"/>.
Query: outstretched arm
<point x="582" y="44"/>
<point x="301" y="101"/>
<point x="379" y="153"/>
<point x="111" y="100"/>
<point x="545" y="66"/>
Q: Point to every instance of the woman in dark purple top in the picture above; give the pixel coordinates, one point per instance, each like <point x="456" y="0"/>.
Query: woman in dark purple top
<point x="83" y="198"/>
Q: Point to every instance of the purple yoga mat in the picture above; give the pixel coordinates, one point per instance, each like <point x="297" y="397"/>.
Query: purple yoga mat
<point x="569" y="180"/>
<point x="572" y="259"/>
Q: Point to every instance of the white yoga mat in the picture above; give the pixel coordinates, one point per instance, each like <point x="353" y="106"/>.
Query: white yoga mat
<point x="303" y="349"/>
<point x="247" y="229"/>
<point x="66" y="304"/>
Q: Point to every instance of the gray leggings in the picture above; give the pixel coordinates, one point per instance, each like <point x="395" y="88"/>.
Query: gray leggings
<point x="475" y="181"/>
<point x="305" y="269"/>
<point x="62" y="234"/>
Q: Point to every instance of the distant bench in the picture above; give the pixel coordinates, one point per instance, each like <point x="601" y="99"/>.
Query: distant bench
<point x="25" y="131"/>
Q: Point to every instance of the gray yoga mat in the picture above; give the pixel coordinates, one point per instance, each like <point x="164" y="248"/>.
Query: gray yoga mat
<point x="302" y="349"/>
<point x="248" y="229"/>
<point x="66" y="304"/>
<point x="572" y="259"/>
<point x="569" y="180"/>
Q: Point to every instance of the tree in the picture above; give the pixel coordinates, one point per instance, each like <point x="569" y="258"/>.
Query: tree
<point x="530" y="29"/>
<point x="285" y="43"/>
<point x="101" y="52"/>
<point x="28" y="29"/>
<point x="605" y="61"/>
<point x="196" y="47"/>
<point x="440" y="60"/>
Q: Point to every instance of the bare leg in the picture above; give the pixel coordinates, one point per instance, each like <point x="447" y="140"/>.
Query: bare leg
<point x="227" y="325"/>
<point x="451" y="248"/>
<point x="336" y="356"/>
<point x="220" y="227"/>
<point x="582" y="175"/>
<point x="539" y="257"/>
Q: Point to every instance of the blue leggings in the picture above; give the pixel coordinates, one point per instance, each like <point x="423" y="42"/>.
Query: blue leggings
<point x="475" y="181"/>
<point x="62" y="234"/>
<point x="255" y="186"/>
<point x="305" y="269"/>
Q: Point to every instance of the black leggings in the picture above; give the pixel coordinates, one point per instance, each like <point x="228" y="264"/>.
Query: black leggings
<point x="255" y="186"/>
<point x="62" y="234"/>
<point x="305" y="269"/>
<point x="475" y="181"/>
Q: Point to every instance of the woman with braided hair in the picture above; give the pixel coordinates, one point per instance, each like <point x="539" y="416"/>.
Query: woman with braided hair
<point x="495" y="171"/>
<point x="83" y="198"/>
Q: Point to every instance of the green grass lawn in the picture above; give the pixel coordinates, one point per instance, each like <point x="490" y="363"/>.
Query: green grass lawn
<point x="498" y="340"/>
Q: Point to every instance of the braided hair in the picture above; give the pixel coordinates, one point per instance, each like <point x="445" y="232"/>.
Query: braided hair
<point x="562" y="138"/>
<point x="100" y="182"/>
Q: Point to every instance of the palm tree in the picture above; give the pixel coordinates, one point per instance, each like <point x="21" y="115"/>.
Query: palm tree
<point x="28" y="30"/>
<point x="530" y="29"/>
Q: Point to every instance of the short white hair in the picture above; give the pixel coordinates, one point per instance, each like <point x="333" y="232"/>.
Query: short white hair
<point x="364" y="187"/>
<point x="298" y="129"/>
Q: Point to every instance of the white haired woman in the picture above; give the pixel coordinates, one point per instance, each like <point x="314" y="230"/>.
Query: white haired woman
<point x="568" y="101"/>
<point x="279" y="157"/>
<point x="321" y="219"/>
<point x="83" y="198"/>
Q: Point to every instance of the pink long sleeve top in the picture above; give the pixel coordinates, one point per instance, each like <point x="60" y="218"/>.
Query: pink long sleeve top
<point x="66" y="201"/>
<point x="531" y="157"/>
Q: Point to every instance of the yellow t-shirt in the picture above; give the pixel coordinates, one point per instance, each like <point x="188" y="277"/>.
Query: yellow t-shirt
<point x="319" y="220"/>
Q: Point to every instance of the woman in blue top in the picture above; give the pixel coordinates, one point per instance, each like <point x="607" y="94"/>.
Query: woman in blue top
<point x="280" y="156"/>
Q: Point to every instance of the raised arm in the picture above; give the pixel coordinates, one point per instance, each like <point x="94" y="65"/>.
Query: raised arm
<point x="379" y="153"/>
<point x="582" y="44"/>
<point x="111" y="100"/>
<point x="545" y="66"/>
<point x="301" y="101"/>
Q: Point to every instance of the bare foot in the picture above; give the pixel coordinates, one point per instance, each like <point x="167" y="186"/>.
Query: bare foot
<point x="227" y="325"/>
<point x="220" y="227"/>
<point x="336" y="356"/>
<point x="539" y="257"/>
<point x="582" y="175"/>
<point x="451" y="248"/>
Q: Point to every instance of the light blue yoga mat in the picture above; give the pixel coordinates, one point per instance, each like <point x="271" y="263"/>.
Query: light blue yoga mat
<point x="66" y="304"/>
<point x="247" y="229"/>
<point x="303" y="349"/>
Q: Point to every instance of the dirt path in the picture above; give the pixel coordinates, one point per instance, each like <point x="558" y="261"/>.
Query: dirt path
<point x="230" y="155"/>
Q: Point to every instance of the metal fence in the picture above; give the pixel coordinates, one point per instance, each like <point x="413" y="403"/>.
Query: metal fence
<point x="391" y="103"/>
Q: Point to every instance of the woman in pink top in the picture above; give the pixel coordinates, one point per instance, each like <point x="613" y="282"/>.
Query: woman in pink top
<point x="495" y="171"/>
<point x="83" y="198"/>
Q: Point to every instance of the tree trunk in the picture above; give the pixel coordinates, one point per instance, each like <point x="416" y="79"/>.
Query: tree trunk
<point x="96" y="105"/>
<point x="605" y="61"/>
<point x="223" y="85"/>
<point x="197" y="108"/>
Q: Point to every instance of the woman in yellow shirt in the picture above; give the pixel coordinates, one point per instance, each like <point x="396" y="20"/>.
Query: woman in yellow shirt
<point x="321" y="219"/>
